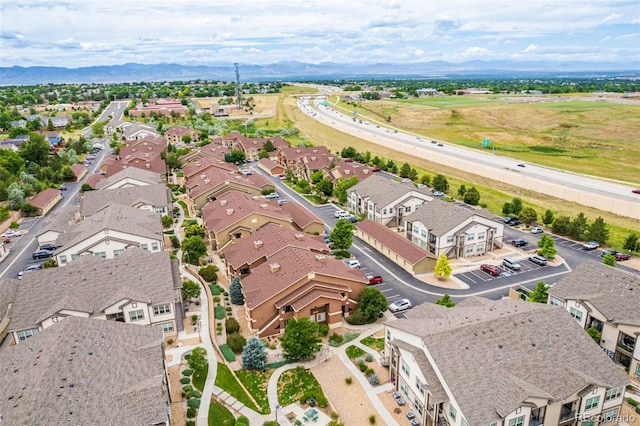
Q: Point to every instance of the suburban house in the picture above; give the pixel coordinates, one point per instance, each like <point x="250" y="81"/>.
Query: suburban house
<point x="413" y="259"/>
<point x="386" y="201"/>
<point x="164" y="107"/>
<point x="81" y="370"/>
<point x="130" y="130"/>
<point x="503" y="362"/>
<point x="247" y="253"/>
<point x="250" y="146"/>
<point x="444" y="228"/>
<point x="212" y="183"/>
<point x="138" y="287"/>
<point x="237" y="215"/>
<point x="144" y="154"/>
<point x="175" y="134"/>
<point x="154" y="198"/>
<point x="107" y="233"/>
<point x="53" y="137"/>
<point x="131" y="176"/>
<point x="298" y="283"/>
<point x="271" y="167"/>
<point x="605" y="300"/>
<point x="45" y="200"/>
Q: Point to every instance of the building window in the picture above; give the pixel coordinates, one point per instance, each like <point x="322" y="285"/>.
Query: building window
<point x="450" y="238"/>
<point x="452" y="412"/>
<point x="118" y="252"/>
<point x="609" y="416"/>
<point x="25" y="334"/>
<point x="638" y="370"/>
<point x="481" y="235"/>
<point x="405" y="368"/>
<point x="576" y="314"/>
<point x="592" y="403"/>
<point x="100" y="254"/>
<point x="389" y="338"/>
<point x="136" y="315"/>
<point x="517" y="421"/>
<point x="555" y="301"/>
<point x="162" y="309"/>
<point x="407" y="209"/>
<point x="419" y="386"/>
<point x="470" y="237"/>
<point x="63" y="260"/>
<point x="403" y="388"/>
<point x="469" y="249"/>
<point x="463" y="422"/>
<point x="166" y="327"/>
<point x="154" y="246"/>
<point x="612" y="394"/>
<point x="320" y="317"/>
<point x="423" y="234"/>
<point x="384" y="211"/>
<point x="74" y="256"/>
<point x="480" y="248"/>
<point x="416" y="230"/>
<point x="144" y="246"/>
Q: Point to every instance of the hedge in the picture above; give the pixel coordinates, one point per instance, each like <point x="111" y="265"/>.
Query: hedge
<point x="218" y="312"/>
<point x="185" y="380"/>
<point x="227" y="352"/>
<point x="195" y="403"/>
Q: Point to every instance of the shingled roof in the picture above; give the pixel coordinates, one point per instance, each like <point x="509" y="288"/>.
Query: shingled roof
<point x="84" y="371"/>
<point x="130" y="173"/>
<point x="440" y="217"/>
<point x="395" y="242"/>
<point x="613" y="292"/>
<point x="383" y="191"/>
<point x="90" y="284"/>
<point x="497" y="338"/>
<point x="156" y="194"/>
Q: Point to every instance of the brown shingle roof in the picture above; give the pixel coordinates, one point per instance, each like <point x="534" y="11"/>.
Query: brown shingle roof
<point x="301" y="216"/>
<point x="394" y="241"/>
<point x="203" y="165"/>
<point x="83" y="371"/>
<point x="43" y="198"/>
<point x="79" y="170"/>
<point x="234" y="206"/>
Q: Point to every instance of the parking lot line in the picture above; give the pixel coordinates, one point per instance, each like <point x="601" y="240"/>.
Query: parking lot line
<point x="393" y="296"/>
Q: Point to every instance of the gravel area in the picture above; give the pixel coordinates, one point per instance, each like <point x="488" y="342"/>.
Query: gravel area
<point x="177" y="406"/>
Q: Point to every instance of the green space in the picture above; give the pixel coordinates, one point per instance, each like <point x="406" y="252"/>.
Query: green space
<point x="200" y="376"/>
<point x="218" y="312"/>
<point x="354" y="352"/>
<point x="299" y="384"/>
<point x="227" y="381"/>
<point x="257" y="383"/>
<point x="375" y="344"/>
<point x="184" y="207"/>
<point x="219" y="415"/>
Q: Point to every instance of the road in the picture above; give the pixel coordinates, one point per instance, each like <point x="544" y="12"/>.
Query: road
<point x="609" y="195"/>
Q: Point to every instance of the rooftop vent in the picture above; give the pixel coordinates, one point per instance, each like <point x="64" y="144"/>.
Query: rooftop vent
<point x="207" y="181"/>
<point x="229" y="212"/>
<point x="274" y="267"/>
<point x="299" y="236"/>
<point x="321" y="258"/>
<point x="258" y="243"/>
<point x="223" y="203"/>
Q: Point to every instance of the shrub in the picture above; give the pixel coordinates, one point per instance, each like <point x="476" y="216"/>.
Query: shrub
<point x="369" y="371"/>
<point x="192" y="412"/>
<point x="190" y="423"/>
<point x="174" y="241"/>
<point x="270" y="423"/>
<point x="218" y="312"/>
<point x="323" y="329"/>
<point x="373" y="379"/>
<point x="236" y="342"/>
<point x="185" y="380"/>
<point x="242" y="421"/>
<point x="348" y="380"/>
<point x="336" y="339"/>
<point x="227" y="352"/>
<point x="196" y="394"/>
<point x="169" y="341"/>
<point x="362" y="366"/>
<point x="187" y="372"/>
<point x="187" y="391"/>
<point x="216" y="299"/>
<point x="368" y="358"/>
<point x="633" y="402"/>
<point x="372" y="419"/>
<point x="341" y="254"/>
<point x="232" y="325"/>
<point x="195" y="403"/>
<point x="215" y="290"/>
<point x="209" y="273"/>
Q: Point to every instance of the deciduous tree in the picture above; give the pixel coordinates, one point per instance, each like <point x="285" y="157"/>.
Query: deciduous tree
<point x="609" y="259"/>
<point x="547" y="246"/>
<point x="528" y="216"/>
<point x="341" y="187"/>
<point x="341" y="237"/>
<point x="539" y="294"/>
<point x="193" y="248"/>
<point x="197" y="359"/>
<point x="300" y="339"/>
<point x="445" y="300"/>
<point x="190" y="290"/>
<point x="442" y="269"/>
<point x="472" y="196"/>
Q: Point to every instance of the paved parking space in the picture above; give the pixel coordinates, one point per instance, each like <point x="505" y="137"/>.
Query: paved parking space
<point x="478" y="279"/>
<point x="573" y="245"/>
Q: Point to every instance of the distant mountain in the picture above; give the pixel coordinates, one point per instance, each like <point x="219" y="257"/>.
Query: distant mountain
<point x="296" y="71"/>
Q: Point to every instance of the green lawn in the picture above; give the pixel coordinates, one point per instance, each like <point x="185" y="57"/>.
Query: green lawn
<point x="257" y="382"/>
<point x="295" y="383"/>
<point x="184" y="207"/>
<point x="227" y="381"/>
<point x="219" y="415"/>
<point x="199" y="377"/>
<point x="375" y="344"/>
<point x="354" y="352"/>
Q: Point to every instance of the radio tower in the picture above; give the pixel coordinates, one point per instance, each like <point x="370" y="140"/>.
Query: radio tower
<point x="238" y="88"/>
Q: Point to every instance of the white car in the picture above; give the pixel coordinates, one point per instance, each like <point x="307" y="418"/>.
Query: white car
<point x="12" y="233"/>
<point x="536" y="230"/>
<point x="352" y="263"/>
<point x="340" y="213"/>
<point x="436" y="193"/>
<point x="591" y="245"/>
<point x="400" y="305"/>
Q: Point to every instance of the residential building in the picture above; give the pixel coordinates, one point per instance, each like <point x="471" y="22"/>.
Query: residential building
<point x="606" y="301"/>
<point x="144" y="154"/>
<point x="79" y="170"/>
<point x="161" y="107"/>
<point x="304" y="161"/>
<point x="247" y="253"/>
<point x="130" y="130"/>
<point x="45" y="200"/>
<point x="445" y="228"/>
<point x="298" y="283"/>
<point x="154" y="198"/>
<point x="386" y="201"/>
<point x="504" y="363"/>
<point x="128" y="177"/>
<point x="82" y="371"/>
<point x="175" y="134"/>
<point x="207" y="155"/>
<point x="271" y="167"/>
<point x="8" y="292"/>
<point x="344" y="170"/>
<point x="250" y="146"/>
<point x="137" y="287"/>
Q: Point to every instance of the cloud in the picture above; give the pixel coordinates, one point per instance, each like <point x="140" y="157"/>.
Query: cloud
<point x="530" y="48"/>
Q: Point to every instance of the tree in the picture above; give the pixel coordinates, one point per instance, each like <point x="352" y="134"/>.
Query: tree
<point x="194" y="230"/>
<point x="539" y="294"/>
<point x="236" y="342"/>
<point x="50" y="126"/>
<point x="236" y="156"/>
<point x="528" y="216"/>
<point x="15" y="196"/>
<point x="268" y="146"/>
<point x="300" y="339"/>
<point x="595" y="334"/>
<point x="85" y="187"/>
<point x="193" y="248"/>
<point x="598" y="231"/>
<point x="172" y="161"/>
<point x="425" y="180"/>
<point x="371" y="305"/>
<point x="631" y="242"/>
<point x="342" y="235"/>
<point x="461" y="190"/>
<point x="445" y="300"/>
<point x="208" y="273"/>
<point x="235" y="291"/>
<point x="472" y="196"/>
<point x="51" y="263"/>
<point x="190" y="290"/>
<point x="254" y="356"/>
<point x="578" y="227"/>
<point x="166" y="221"/>
<point x="348" y="152"/>
<point x="440" y="183"/>
<point x="197" y="359"/>
<point x="516" y="206"/>
<point x="98" y="129"/>
<point x="316" y="176"/>
<point x="325" y="186"/>
<point x="341" y="187"/>
<point x="28" y="209"/>
<point x="561" y="225"/>
<point x="609" y="259"/>
<point x="413" y="174"/>
<point x="547" y="218"/>
<point x="442" y="269"/>
<point x="186" y="139"/>
<point x="405" y="170"/>
<point x="507" y="208"/>
<point x="231" y="325"/>
<point x="547" y="246"/>
<point x="35" y="150"/>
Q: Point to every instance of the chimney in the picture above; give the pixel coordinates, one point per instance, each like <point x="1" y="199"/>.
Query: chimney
<point x="299" y="236"/>
<point x="258" y="243"/>
<point x="264" y="206"/>
<point x="274" y="267"/>
<point x="314" y="151"/>
<point x="366" y="171"/>
<point x="146" y="155"/>
<point x="229" y="212"/>
<point x="321" y="258"/>
<point x="148" y="165"/>
<point x="207" y="181"/>
<point x="202" y="176"/>
<point x="313" y="158"/>
<point x="347" y="171"/>
<point x="223" y="203"/>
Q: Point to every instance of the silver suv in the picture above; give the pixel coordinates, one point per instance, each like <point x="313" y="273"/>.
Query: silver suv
<point x="538" y="260"/>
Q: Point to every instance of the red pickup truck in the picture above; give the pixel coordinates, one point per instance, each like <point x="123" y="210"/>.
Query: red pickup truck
<point x="374" y="279"/>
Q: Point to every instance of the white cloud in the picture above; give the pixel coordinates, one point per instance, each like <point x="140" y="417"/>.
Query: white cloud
<point x="530" y="48"/>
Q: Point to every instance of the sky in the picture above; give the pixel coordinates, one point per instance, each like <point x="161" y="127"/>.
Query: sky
<point x="79" y="33"/>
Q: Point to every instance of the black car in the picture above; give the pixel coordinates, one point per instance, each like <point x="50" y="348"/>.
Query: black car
<point x="49" y="247"/>
<point x="42" y="254"/>
<point x="519" y="242"/>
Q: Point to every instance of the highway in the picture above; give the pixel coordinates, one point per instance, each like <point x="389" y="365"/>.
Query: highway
<point x="597" y="193"/>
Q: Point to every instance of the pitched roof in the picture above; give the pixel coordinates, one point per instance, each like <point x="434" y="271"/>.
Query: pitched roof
<point x="156" y="194"/>
<point x="613" y="292"/>
<point x="301" y="216"/>
<point x="8" y="293"/>
<point x="41" y="199"/>
<point x="152" y="164"/>
<point x="268" y="240"/>
<point x="383" y="191"/>
<point x="293" y="264"/>
<point x="132" y="173"/>
<point x="440" y="217"/>
<point x="94" y="180"/>
<point x="202" y="165"/>
<point x="62" y="221"/>
<point x="91" y="284"/>
<point x="495" y="337"/>
<point x="344" y="170"/>
<point x="80" y="370"/>
<point x="394" y="241"/>
<point x="79" y="170"/>
<point x="214" y="177"/>
<point x="234" y="206"/>
<point x="269" y="164"/>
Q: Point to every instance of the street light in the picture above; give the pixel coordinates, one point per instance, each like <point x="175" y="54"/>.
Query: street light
<point x="277" y="408"/>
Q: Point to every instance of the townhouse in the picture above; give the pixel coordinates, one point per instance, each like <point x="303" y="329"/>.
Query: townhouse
<point x="144" y="154"/>
<point x="344" y="170"/>
<point x="176" y="134"/>
<point x="45" y="200"/>
<point x="130" y="130"/>
<point x="155" y="198"/>
<point x="128" y="177"/>
<point x="137" y="287"/>
<point x="250" y="146"/>
<point x="81" y="371"/>
<point x="304" y="161"/>
<point x="502" y="363"/>
<point x="458" y="232"/>
<point x="605" y="301"/>
<point x="386" y="201"/>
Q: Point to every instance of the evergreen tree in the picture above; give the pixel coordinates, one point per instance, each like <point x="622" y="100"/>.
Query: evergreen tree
<point x="631" y="242"/>
<point x="516" y="206"/>
<point x="507" y="208"/>
<point x="598" y="231"/>
<point x="561" y="225"/>
<point x="578" y="227"/>
<point x="445" y="300"/>
<point x="235" y="291"/>
<point x="440" y="183"/>
<point x="254" y="355"/>
<point x="547" y="218"/>
<point x="461" y="190"/>
<point x="425" y="180"/>
<point x="405" y="170"/>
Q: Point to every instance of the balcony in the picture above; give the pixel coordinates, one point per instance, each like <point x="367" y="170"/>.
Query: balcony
<point x="567" y="416"/>
<point x="535" y="422"/>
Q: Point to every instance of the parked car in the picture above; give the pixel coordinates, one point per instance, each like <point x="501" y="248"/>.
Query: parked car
<point x="397" y="306"/>
<point x="347" y="160"/>
<point x="374" y="279"/>
<point x="437" y="193"/>
<point x="282" y="176"/>
<point x="281" y="202"/>
<point x="29" y="269"/>
<point x="619" y="256"/>
<point x="538" y="260"/>
<point x="537" y="230"/>
<point x="490" y="269"/>
<point x="340" y="213"/>
<point x="405" y="180"/>
<point x="62" y="187"/>
<point x="376" y="169"/>
<point x="12" y="233"/>
<point x="42" y="254"/>
<point x="519" y="242"/>
<point x="353" y="263"/>
<point x="6" y="240"/>
<point x="351" y="218"/>
<point x="511" y="264"/>
<point x="49" y="247"/>
<point x="590" y="245"/>
<point x="514" y="222"/>
<point x="521" y="165"/>
<point x="636" y="191"/>
<point x="272" y="196"/>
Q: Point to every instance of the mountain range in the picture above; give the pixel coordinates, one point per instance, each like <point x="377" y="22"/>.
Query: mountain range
<point x="297" y="71"/>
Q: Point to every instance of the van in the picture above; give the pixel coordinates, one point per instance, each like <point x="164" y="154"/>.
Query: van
<point x="511" y="264"/>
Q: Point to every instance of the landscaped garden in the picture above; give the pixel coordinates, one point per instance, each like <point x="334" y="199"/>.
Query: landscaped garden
<point x="219" y="415"/>
<point x="375" y="344"/>
<point x="299" y="385"/>
<point x="257" y="383"/>
<point x="227" y="381"/>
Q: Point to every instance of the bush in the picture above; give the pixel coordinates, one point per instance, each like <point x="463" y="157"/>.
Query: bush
<point x="195" y="403"/>
<point x="362" y="366"/>
<point x="368" y="358"/>
<point x="236" y="342"/>
<point x="192" y="412"/>
<point x="633" y="402"/>
<point x="169" y="341"/>
<point x="209" y="273"/>
<point x="232" y="325"/>
<point x="242" y="421"/>
<point x="215" y="290"/>
<point x="336" y="339"/>
<point x="348" y="380"/>
<point x="187" y="391"/>
<point x="190" y="423"/>
<point x="372" y="419"/>
<point x="185" y="380"/>
<point x="227" y="352"/>
<point x="187" y="372"/>
<point x="323" y="329"/>
<point x="218" y="312"/>
<point x="216" y="299"/>
<point x="373" y="379"/>
<point x="196" y="394"/>
<point x="341" y="254"/>
<point x="228" y="308"/>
